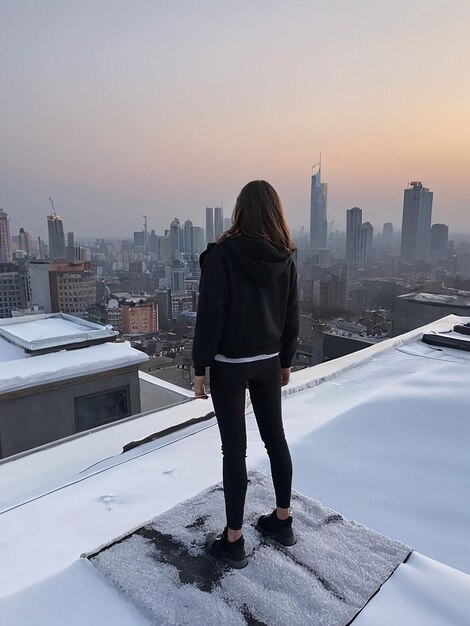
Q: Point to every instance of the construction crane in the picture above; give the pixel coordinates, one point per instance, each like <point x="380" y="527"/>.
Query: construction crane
<point x="145" y="232"/>
<point x="317" y="165"/>
<point x="52" y="205"/>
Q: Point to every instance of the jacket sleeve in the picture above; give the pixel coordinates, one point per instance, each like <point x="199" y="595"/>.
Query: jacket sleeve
<point x="211" y="310"/>
<point x="291" y="323"/>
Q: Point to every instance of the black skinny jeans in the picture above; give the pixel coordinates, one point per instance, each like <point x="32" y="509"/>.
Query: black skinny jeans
<point x="228" y="383"/>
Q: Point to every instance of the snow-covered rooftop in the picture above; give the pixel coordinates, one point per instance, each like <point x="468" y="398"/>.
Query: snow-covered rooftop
<point x="34" y="350"/>
<point x="46" y="331"/>
<point x="438" y="298"/>
<point x="380" y="435"/>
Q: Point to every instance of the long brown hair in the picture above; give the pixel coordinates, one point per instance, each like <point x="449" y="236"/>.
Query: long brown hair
<point x="258" y="211"/>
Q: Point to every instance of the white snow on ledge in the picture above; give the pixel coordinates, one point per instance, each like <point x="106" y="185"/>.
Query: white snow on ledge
<point x="66" y="365"/>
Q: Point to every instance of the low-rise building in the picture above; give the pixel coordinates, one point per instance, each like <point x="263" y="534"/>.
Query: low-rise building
<point x="40" y="285"/>
<point x="413" y="310"/>
<point x="329" y="293"/>
<point x="114" y="314"/>
<point x="139" y="318"/>
<point x="60" y="375"/>
<point x="73" y="287"/>
<point x="14" y="289"/>
<point x="183" y="301"/>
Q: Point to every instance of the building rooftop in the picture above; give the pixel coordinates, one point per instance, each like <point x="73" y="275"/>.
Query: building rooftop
<point x="45" y="348"/>
<point x="54" y="330"/>
<point x="380" y="436"/>
<point x="438" y="299"/>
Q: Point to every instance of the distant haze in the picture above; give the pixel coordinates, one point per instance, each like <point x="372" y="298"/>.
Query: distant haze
<point x="123" y="108"/>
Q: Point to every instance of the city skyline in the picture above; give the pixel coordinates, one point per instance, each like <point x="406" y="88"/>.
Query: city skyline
<point x="202" y="223"/>
<point x="160" y="221"/>
<point x="170" y="106"/>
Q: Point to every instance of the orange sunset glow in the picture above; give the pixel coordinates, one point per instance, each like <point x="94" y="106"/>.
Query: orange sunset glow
<point x="120" y="108"/>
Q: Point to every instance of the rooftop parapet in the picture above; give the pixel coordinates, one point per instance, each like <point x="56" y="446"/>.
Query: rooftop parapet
<point x="50" y="332"/>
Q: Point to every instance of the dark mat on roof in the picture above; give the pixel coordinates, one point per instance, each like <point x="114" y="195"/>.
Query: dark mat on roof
<point x="332" y="572"/>
<point x="448" y="340"/>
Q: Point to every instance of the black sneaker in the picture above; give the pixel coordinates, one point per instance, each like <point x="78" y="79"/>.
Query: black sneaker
<point x="280" y="530"/>
<point x="232" y="553"/>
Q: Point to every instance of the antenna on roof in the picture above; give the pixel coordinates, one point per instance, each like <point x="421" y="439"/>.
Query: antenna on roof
<point x="52" y="205"/>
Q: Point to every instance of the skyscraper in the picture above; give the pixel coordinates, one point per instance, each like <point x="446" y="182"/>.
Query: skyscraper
<point x="387" y="236"/>
<point x="198" y="233"/>
<point x="5" y="238"/>
<point x="152" y="242"/>
<point x="188" y="237"/>
<point x="25" y="242"/>
<point x="163" y="246"/>
<point x="43" y="252"/>
<point x="353" y="242"/>
<point x="209" y="224"/>
<point x="55" y="229"/>
<point x="365" y="244"/>
<point x="70" y="251"/>
<point x="175" y="238"/>
<point x="439" y="240"/>
<point x="139" y="241"/>
<point x="416" y="223"/>
<point x="318" y="203"/>
<point x="218" y="221"/>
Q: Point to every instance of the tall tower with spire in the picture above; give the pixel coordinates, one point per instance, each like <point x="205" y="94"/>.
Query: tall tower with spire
<point x="318" y="204"/>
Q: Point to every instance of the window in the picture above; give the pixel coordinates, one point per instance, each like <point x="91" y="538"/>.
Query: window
<point x="101" y="408"/>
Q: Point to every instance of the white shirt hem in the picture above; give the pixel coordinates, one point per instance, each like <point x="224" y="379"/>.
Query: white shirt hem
<point x="244" y="359"/>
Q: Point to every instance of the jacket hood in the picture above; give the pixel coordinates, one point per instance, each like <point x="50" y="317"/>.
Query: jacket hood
<point x="261" y="261"/>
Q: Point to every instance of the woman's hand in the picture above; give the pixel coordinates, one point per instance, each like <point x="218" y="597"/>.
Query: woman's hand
<point x="199" y="389"/>
<point x="285" y="375"/>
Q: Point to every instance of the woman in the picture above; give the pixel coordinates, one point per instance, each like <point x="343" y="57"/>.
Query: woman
<point x="246" y="332"/>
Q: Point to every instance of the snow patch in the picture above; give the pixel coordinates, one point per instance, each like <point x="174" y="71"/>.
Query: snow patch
<point x="332" y="571"/>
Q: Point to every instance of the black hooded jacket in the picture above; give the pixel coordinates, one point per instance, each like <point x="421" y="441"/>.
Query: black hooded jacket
<point x="248" y="302"/>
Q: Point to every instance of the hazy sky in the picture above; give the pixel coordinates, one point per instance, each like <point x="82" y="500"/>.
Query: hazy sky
<point x="119" y="108"/>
